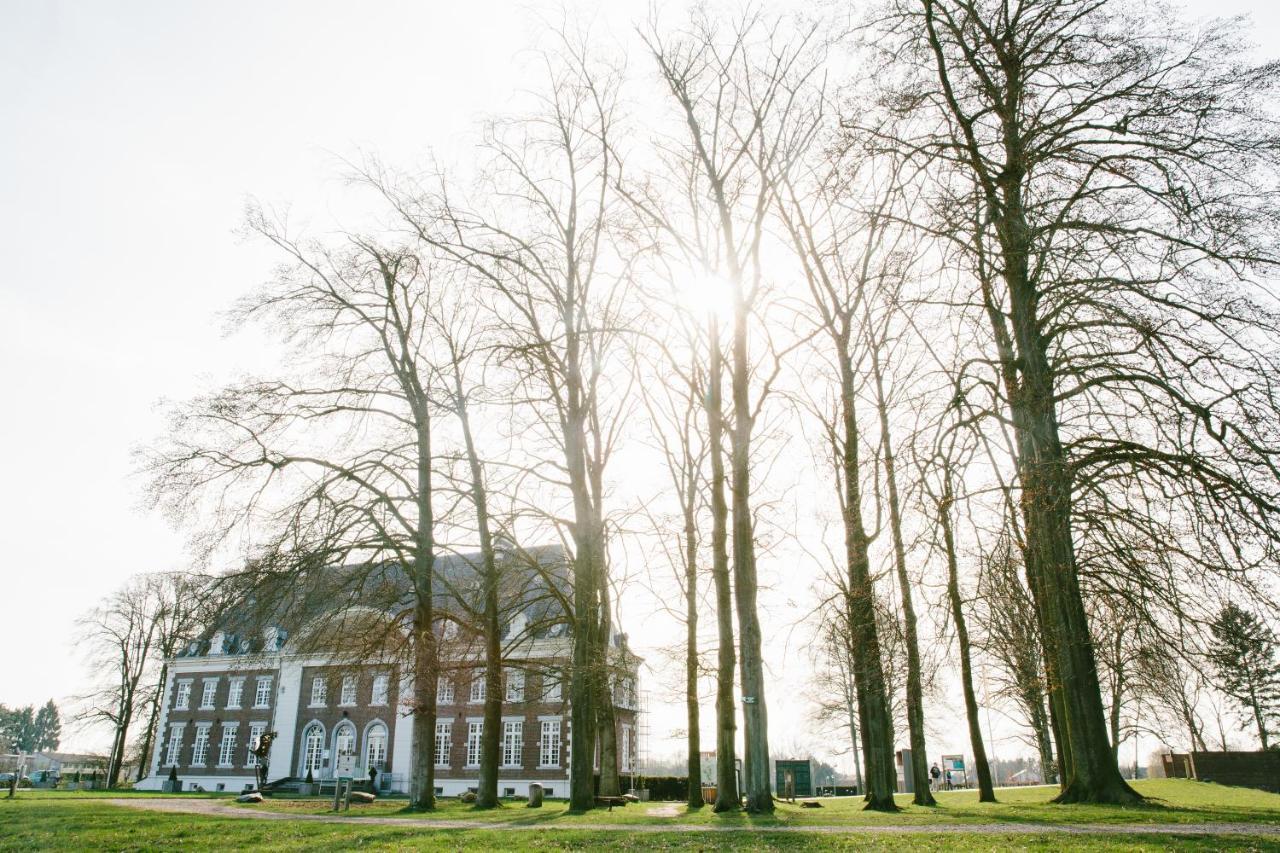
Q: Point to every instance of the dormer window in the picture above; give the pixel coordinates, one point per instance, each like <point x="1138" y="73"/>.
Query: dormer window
<point x="273" y="638"/>
<point x="217" y="645"/>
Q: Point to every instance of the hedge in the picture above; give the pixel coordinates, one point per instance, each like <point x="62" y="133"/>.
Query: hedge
<point x="668" y="787"/>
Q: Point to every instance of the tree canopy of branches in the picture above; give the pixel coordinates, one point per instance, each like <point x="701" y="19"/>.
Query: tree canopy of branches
<point x="1026" y="246"/>
<point x="1123" y="176"/>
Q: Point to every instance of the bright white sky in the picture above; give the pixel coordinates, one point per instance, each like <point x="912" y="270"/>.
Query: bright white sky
<point x="131" y="134"/>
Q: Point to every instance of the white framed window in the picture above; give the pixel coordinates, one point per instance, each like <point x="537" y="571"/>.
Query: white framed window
<point x="200" y="749"/>
<point x="235" y="693"/>
<point x="262" y="692"/>
<point x="549" y="744"/>
<point x="348" y="694"/>
<point x="475" y="731"/>
<point x="444" y="691"/>
<point x="477" y="690"/>
<point x="381" y="689"/>
<point x="444" y="740"/>
<point x="344" y="740"/>
<point x="255" y="737"/>
<point x="174" y="749"/>
<point x="313" y="749"/>
<point x="208" y="692"/>
<point x="182" y="699"/>
<point x="628" y="747"/>
<point x="552" y="685"/>
<point x="375" y="754"/>
<point x="512" y="743"/>
<point x="515" y="686"/>
<point x="319" y="691"/>
<point x="227" y="748"/>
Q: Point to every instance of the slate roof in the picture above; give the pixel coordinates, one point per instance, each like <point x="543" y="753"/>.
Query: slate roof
<point x="534" y="584"/>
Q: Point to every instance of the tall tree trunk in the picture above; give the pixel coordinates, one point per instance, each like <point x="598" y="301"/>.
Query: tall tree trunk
<point x="1063" y="764"/>
<point x="851" y="708"/>
<point x="693" y="742"/>
<point x="606" y="718"/>
<point x="1044" y="744"/>
<point x="1087" y="771"/>
<point x="422" y="786"/>
<point x="727" y="795"/>
<point x="755" y="715"/>
<point x="487" y="786"/>
<point x="148" y="742"/>
<point x="864" y="638"/>
<point x="915" y="688"/>
<point x="986" y="790"/>
<point x="491" y="735"/>
<point x="587" y="669"/>
<point x="1259" y="717"/>
<point x="116" y="762"/>
<point x="1045" y="479"/>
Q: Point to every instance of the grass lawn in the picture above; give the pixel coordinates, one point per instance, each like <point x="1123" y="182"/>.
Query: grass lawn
<point x="43" y="820"/>
<point x="84" y="823"/>
<point x="1172" y="801"/>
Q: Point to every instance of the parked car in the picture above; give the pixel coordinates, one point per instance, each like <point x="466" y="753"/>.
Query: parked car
<point x="45" y="778"/>
<point x="7" y="778"/>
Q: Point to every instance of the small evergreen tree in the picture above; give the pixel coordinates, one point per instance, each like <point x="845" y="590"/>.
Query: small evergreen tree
<point x="48" y="728"/>
<point x="18" y="728"/>
<point x="1243" y="653"/>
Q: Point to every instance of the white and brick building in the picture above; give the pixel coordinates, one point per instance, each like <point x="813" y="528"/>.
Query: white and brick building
<point x="226" y="690"/>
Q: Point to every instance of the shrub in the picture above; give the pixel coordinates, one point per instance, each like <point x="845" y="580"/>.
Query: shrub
<point x="667" y="787"/>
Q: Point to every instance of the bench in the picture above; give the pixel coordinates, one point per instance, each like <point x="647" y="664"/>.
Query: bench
<point x="611" y="801"/>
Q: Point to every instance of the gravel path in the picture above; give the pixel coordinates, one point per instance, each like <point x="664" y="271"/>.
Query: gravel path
<point x="216" y="809"/>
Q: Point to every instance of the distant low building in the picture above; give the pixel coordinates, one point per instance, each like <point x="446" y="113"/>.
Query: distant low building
<point x="225" y="691"/>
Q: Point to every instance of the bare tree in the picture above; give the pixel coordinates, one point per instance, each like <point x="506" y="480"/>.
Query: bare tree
<point x="541" y="241"/>
<point x="333" y="467"/>
<point x="458" y="327"/>
<point x="1010" y="636"/>
<point x="736" y="92"/>
<point x="181" y="611"/>
<point x="674" y="401"/>
<point x="121" y="635"/>
<point x="939" y="475"/>
<point x="837" y="217"/>
<point x="1127" y="193"/>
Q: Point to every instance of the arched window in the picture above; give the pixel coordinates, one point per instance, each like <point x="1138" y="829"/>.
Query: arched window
<point x="344" y="740"/>
<point x="313" y="749"/>
<point x="376" y="746"/>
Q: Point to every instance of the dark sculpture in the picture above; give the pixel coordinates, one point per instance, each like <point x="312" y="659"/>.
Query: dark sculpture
<point x="263" y="752"/>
